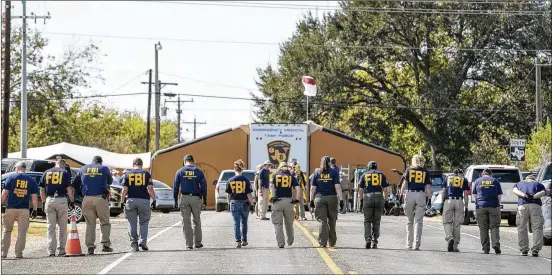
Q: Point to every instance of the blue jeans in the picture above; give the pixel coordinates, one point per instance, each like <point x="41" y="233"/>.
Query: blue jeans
<point x="240" y="213"/>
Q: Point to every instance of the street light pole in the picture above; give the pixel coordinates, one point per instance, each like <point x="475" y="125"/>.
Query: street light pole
<point x="24" y="81"/>
<point x="157" y="96"/>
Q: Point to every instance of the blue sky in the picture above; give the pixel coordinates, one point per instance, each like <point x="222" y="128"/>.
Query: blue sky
<point x="193" y="62"/>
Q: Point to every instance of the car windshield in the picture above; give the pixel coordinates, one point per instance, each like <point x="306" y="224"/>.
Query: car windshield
<point x="227" y="175"/>
<point x="158" y="184"/>
<point x="548" y="173"/>
<point x="436" y="181"/>
<point x="500" y="175"/>
<point x="249" y="175"/>
<point x="42" y="166"/>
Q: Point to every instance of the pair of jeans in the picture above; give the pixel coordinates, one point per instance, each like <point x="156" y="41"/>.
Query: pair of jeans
<point x="240" y="213"/>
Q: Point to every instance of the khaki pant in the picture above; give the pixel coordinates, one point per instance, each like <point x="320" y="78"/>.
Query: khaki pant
<point x="190" y="206"/>
<point x="453" y="215"/>
<point x="283" y="213"/>
<point x="263" y="202"/>
<point x="414" y="210"/>
<point x="56" y="214"/>
<point x="22" y="218"/>
<point x="96" y="207"/>
<point x="489" y="218"/>
<point x="529" y="213"/>
<point x="326" y="214"/>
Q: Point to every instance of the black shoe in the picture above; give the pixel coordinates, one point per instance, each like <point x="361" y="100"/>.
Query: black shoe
<point x="497" y="250"/>
<point x="199" y="245"/>
<point x="52" y="255"/>
<point x="90" y="251"/>
<point x="244" y="243"/>
<point x="189" y="247"/>
<point x="238" y="244"/>
<point x="450" y="245"/>
<point x="281" y="246"/>
<point x="134" y="247"/>
<point x="524" y="253"/>
<point x="486" y="251"/>
<point x="107" y="249"/>
<point x="535" y="253"/>
<point x="368" y="245"/>
<point x="62" y="254"/>
<point x="375" y="246"/>
<point x="455" y="249"/>
<point x="417" y="249"/>
<point x="265" y="219"/>
<point x="144" y="247"/>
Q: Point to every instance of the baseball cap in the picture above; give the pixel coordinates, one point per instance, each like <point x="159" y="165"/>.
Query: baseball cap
<point x="282" y="165"/>
<point x="97" y="159"/>
<point x="267" y="163"/>
<point x="487" y="171"/>
<point x="189" y="158"/>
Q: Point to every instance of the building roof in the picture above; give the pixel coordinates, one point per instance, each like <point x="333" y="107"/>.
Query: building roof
<point x="84" y="155"/>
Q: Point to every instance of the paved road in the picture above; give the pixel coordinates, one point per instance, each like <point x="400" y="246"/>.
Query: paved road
<point x="168" y="255"/>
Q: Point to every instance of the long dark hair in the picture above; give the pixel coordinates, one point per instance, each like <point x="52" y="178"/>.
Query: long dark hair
<point x="325" y="165"/>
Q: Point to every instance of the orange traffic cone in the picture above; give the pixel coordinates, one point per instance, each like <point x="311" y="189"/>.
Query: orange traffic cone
<point x="73" y="247"/>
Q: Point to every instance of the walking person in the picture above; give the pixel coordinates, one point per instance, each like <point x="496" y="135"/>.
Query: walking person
<point x="137" y="191"/>
<point x="325" y="194"/>
<point x="529" y="192"/>
<point x="373" y="190"/>
<point x="241" y="202"/>
<point x="264" y="183"/>
<point x="55" y="185"/>
<point x="488" y="193"/>
<point x="281" y="186"/>
<point x="417" y="184"/>
<point x="18" y="190"/>
<point x="300" y="176"/>
<point x="190" y="184"/>
<point x="455" y="197"/>
<point x="94" y="180"/>
<point x="256" y="184"/>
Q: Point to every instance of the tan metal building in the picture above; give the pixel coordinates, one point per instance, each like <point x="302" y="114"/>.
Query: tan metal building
<point x="218" y="151"/>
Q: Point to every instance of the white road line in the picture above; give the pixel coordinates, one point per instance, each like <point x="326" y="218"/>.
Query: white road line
<point x="439" y="228"/>
<point x="120" y="260"/>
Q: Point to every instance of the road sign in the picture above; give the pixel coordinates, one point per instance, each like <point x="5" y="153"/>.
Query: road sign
<point x="517" y="149"/>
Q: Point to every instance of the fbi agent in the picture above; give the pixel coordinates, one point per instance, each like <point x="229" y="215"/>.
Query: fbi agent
<point x="55" y="185"/>
<point x="95" y="179"/>
<point x="373" y="192"/>
<point x="455" y="194"/>
<point x="488" y="194"/>
<point x="529" y="192"/>
<point x="138" y="185"/>
<point x="325" y="192"/>
<point x="281" y="185"/>
<point x="189" y="183"/>
<point x="18" y="190"/>
<point x="264" y="182"/>
<point x="417" y="184"/>
<point x="239" y="192"/>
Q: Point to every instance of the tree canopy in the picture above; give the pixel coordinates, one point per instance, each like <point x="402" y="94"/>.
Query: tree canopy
<point x="456" y="86"/>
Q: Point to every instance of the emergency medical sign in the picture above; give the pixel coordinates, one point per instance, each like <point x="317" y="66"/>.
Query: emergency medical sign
<point x="517" y="149"/>
<point x="278" y="143"/>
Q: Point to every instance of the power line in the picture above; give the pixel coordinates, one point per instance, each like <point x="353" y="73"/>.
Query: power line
<point x="333" y="104"/>
<point x="300" y="45"/>
<point x="208" y="82"/>
<point x="128" y="82"/>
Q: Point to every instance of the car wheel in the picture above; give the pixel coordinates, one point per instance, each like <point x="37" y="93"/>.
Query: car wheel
<point x="77" y="211"/>
<point x="219" y="207"/>
<point x="512" y="220"/>
<point x="547" y="241"/>
<point x="165" y="211"/>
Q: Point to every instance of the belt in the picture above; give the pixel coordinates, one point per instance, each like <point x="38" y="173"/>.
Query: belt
<point x="454" y="198"/>
<point x="190" y="194"/>
<point x="375" y="193"/>
<point x="415" y="190"/>
<point x="54" y="196"/>
<point x="100" y="195"/>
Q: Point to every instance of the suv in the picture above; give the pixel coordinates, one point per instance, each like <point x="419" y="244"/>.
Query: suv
<point x="545" y="177"/>
<point x="33" y="165"/>
<point x="507" y="176"/>
<point x="220" y="191"/>
<point x="77" y="211"/>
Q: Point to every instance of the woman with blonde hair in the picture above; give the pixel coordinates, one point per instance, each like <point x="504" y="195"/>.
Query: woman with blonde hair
<point x="241" y="202"/>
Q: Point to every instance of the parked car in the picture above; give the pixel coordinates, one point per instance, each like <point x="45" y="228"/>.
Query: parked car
<point x="164" y="199"/>
<point x="545" y="177"/>
<point x="524" y="174"/>
<point x="220" y="191"/>
<point x="507" y="176"/>
<point x="437" y="197"/>
<point x="33" y="165"/>
<point x="115" y="200"/>
<point x="77" y="211"/>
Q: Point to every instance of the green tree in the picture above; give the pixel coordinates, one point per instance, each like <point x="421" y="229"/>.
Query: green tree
<point x="539" y="146"/>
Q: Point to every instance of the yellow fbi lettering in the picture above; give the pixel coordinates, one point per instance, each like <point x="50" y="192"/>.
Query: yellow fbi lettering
<point x="375" y="179"/>
<point x="189" y="174"/>
<point x="325" y="177"/>
<point x="238" y="187"/>
<point x="138" y="179"/>
<point x="455" y="182"/>
<point x="283" y="181"/>
<point x="486" y="184"/>
<point x="416" y="176"/>
<point x="20" y="189"/>
<point x="92" y="171"/>
<point x="53" y="178"/>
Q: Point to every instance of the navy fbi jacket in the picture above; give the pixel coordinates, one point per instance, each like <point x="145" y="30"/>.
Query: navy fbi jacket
<point x="190" y="179"/>
<point x="94" y="178"/>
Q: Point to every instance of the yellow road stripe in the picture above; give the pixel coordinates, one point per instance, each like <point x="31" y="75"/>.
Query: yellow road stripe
<point x="315" y="234"/>
<point x="333" y="267"/>
<point x="352" y="272"/>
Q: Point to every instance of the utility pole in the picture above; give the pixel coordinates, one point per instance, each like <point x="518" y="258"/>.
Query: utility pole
<point x="538" y="92"/>
<point x="24" y="74"/>
<point x="6" y="91"/>
<point x="178" y="112"/>
<point x="148" y="121"/>
<point x="195" y="125"/>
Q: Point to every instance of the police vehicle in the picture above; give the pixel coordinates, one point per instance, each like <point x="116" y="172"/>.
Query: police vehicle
<point x="507" y="176"/>
<point x="221" y="202"/>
